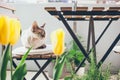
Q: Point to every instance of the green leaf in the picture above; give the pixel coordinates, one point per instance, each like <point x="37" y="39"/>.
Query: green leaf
<point x="25" y="56"/>
<point x="58" y="68"/>
<point x="3" y="63"/>
<point x="71" y="53"/>
<point x="68" y="78"/>
<point x="20" y="71"/>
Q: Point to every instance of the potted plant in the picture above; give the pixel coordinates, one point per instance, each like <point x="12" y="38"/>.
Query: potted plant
<point x="94" y="73"/>
<point x="76" y="55"/>
<point x="65" y="70"/>
<point x="67" y="57"/>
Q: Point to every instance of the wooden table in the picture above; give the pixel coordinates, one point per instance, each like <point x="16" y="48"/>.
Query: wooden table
<point x="83" y="14"/>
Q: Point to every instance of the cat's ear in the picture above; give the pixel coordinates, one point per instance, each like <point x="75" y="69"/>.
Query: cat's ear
<point x="43" y="25"/>
<point x="34" y="25"/>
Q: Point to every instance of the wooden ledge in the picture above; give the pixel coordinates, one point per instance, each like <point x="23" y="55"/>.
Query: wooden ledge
<point x="6" y="6"/>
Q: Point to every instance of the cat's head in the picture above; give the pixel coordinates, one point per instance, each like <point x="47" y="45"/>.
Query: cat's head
<point x="38" y="30"/>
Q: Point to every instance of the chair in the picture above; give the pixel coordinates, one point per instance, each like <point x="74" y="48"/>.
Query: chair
<point x="35" y="55"/>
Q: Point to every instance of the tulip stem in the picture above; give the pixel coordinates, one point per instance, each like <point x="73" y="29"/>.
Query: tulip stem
<point x="11" y="61"/>
<point x="56" y="60"/>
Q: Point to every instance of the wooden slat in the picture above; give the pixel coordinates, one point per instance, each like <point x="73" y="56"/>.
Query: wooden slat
<point x="113" y="9"/>
<point x="97" y="17"/>
<point x="6" y="6"/>
<point x="50" y="8"/>
<point x="66" y="8"/>
<point x="86" y="17"/>
<point x="56" y="16"/>
<point x="107" y="17"/>
<point x="98" y="8"/>
<point x="67" y="16"/>
<point x="111" y="16"/>
<point x="117" y="16"/>
<point x="81" y="8"/>
<point x="41" y="56"/>
<point x="78" y="16"/>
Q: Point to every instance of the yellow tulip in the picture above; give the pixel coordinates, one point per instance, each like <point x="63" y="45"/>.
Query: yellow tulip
<point x="57" y="39"/>
<point x="4" y="30"/>
<point x="9" y="30"/>
<point x="14" y="31"/>
<point x="1" y="21"/>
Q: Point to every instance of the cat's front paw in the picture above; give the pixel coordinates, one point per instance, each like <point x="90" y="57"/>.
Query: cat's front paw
<point x="42" y="47"/>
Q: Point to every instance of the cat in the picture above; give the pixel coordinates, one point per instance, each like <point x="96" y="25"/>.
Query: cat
<point x="34" y="36"/>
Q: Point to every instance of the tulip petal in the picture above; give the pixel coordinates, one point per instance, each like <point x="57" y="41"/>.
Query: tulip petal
<point x="14" y="31"/>
<point x="57" y="39"/>
<point x="1" y="22"/>
<point x="4" y="32"/>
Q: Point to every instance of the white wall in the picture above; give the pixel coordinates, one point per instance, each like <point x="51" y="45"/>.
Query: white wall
<point x="27" y="13"/>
